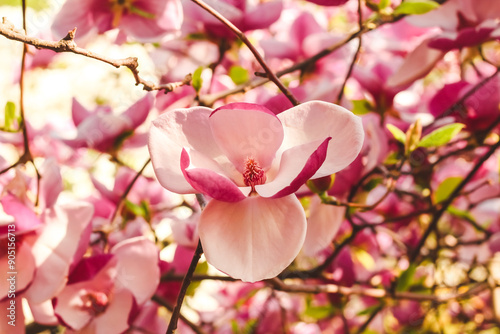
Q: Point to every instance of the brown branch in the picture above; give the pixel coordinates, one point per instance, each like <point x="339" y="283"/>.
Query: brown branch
<point x="172" y="325"/>
<point x="68" y="44"/>
<point x="161" y="301"/>
<point x="450" y="199"/>
<point x="244" y="39"/>
<point x="378" y="293"/>
<point x="209" y="100"/>
<point x="356" y="54"/>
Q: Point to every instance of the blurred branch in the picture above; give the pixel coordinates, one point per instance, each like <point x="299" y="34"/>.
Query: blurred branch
<point x="26" y="156"/>
<point x="68" y="44"/>
<point x="270" y="74"/>
<point x="208" y="100"/>
<point x="356" y="54"/>
<point x="378" y="293"/>
<point x="444" y="206"/>
<point x="161" y="301"/>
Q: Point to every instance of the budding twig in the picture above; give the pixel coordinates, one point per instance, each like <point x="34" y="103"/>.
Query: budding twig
<point x="68" y="44"/>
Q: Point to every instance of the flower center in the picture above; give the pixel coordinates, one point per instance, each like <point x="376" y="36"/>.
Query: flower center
<point x="95" y="302"/>
<point x="253" y="174"/>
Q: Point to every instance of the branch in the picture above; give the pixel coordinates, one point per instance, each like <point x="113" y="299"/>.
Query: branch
<point x="450" y="199"/>
<point x="208" y="100"/>
<point x="172" y="325"/>
<point x="360" y="290"/>
<point x="159" y="300"/>
<point x="258" y="57"/>
<point x="68" y="44"/>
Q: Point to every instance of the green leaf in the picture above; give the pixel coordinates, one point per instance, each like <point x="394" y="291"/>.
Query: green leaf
<point x="140" y="12"/>
<point x="397" y="133"/>
<point x="446" y="187"/>
<point x="364" y="258"/>
<point x="319" y="312"/>
<point x="384" y="4"/>
<point x="369" y="310"/>
<point x="415" y="7"/>
<point x="361" y="107"/>
<point x="10" y="116"/>
<point x="197" y="81"/>
<point x="459" y="213"/>
<point x="37" y="5"/>
<point x="137" y="210"/>
<point x="406" y="278"/>
<point x="393" y="158"/>
<point x="441" y="136"/>
<point x="238" y="74"/>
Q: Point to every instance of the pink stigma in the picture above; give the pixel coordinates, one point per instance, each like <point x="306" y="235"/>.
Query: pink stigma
<point x="253" y="174"/>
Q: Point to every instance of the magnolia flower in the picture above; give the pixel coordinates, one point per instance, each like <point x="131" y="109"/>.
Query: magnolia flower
<point x="104" y="289"/>
<point x="103" y="130"/>
<point x="144" y="20"/>
<point x="250" y="162"/>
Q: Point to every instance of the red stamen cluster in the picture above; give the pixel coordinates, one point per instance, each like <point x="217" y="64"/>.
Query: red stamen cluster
<point x="253" y="174"/>
<point x="95" y="302"/>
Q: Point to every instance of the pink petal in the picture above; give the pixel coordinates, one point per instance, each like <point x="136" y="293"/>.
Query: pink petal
<point x="25" y="219"/>
<point x="254" y="239"/>
<point x="43" y="313"/>
<point x="74" y="13"/>
<point x="139" y="111"/>
<point x="69" y="306"/>
<point x="104" y="191"/>
<point x="245" y="130"/>
<point x="322" y="225"/>
<point x="210" y="183"/>
<point x="416" y="65"/>
<point x="78" y="112"/>
<point x="316" y="121"/>
<point x="262" y="16"/>
<point x="51" y="183"/>
<point x="25" y="268"/>
<point x="7" y="316"/>
<point x="115" y="318"/>
<point x="55" y="247"/>
<point x="137" y="267"/>
<point x="169" y="134"/>
<point x="298" y="164"/>
<point x="305" y="25"/>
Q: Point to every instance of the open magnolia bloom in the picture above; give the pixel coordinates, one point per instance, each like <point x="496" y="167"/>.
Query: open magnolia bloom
<point x="250" y="162"/>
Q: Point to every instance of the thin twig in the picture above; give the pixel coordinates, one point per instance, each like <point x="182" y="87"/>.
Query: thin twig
<point x="378" y="293"/>
<point x="123" y="197"/>
<point x="356" y="54"/>
<point x="161" y="301"/>
<point x="68" y="44"/>
<point x="209" y="100"/>
<point x="244" y="39"/>
<point x="449" y="200"/>
<point x="172" y="325"/>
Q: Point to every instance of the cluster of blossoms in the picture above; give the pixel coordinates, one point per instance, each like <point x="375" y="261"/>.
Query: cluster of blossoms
<point x="370" y="205"/>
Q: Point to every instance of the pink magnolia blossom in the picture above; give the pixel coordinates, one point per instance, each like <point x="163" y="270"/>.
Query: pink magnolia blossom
<point x="144" y="20"/>
<point x="463" y="23"/>
<point x="103" y="130"/>
<point x="104" y="289"/>
<point x="243" y="14"/>
<point x="250" y="162"/>
<point x="47" y="244"/>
